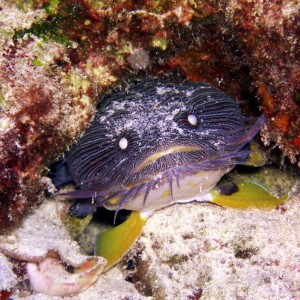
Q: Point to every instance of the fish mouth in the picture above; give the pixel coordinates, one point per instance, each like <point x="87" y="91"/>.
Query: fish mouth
<point x="154" y="157"/>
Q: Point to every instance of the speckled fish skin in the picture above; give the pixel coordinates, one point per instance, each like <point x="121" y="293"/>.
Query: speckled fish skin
<point x="155" y="132"/>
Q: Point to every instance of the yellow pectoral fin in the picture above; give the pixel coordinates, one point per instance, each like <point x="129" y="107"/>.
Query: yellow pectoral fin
<point x="113" y="244"/>
<point x="249" y="195"/>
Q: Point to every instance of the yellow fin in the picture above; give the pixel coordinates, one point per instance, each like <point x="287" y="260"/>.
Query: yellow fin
<point x="113" y="244"/>
<point x="249" y="195"/>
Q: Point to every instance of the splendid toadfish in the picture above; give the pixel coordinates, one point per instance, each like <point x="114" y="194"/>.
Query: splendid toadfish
<point x="152" y="144"/>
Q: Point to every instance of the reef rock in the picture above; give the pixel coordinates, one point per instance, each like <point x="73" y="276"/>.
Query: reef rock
<point x="55" y="58"/>
<point x="46" y="256"/>
<point x="197" y="251"/>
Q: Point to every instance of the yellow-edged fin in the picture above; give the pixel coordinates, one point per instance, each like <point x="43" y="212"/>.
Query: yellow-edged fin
<point x="250" y="195"/>
<point x="113" y="244"/>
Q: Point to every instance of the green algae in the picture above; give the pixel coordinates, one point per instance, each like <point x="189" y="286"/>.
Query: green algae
<point x="48" y="30"/>
<point x="26" y="6"/>
<point x="161" y="43"/>
<point x="1" y="97"/>
<point x="75" y="225"/>
<point x="37" y="63"/>
<point x="297" y="100"/>
<point x="53" y="7"/>
<point x="30" y="5"/>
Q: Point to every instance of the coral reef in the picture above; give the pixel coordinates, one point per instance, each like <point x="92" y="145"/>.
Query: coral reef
<point x="46" y="102"/>
<point x="56" y="57"/>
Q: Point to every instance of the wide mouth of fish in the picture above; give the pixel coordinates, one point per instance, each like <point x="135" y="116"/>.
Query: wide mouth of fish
<point x="172" y="176"/>
<point x="157" y="155"/>
<point x="116" y="198"/>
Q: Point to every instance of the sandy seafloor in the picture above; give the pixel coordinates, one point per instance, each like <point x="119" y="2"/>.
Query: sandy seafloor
<point x="203" y="251"/>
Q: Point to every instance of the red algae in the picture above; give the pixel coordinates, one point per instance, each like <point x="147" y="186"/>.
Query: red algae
<point x="41" y="99"/>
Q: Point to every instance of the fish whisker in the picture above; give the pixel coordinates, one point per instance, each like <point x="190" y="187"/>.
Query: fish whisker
<point x="170" y="179"/>
<point x="122" y="200"/>
<point x="176" y="173"/>
<point x="150" y="185"/>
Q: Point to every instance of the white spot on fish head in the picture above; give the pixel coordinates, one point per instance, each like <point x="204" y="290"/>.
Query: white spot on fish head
<point x="123" y="143"/>
<point x="192" y="119"/>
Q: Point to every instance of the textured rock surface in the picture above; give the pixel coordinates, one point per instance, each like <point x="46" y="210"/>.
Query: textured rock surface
<point x="190" y="250"/>
<point x="202" y="251"/>
<point x="42" y="248"/>
<point x="197" y="250"/>
<point x="110" y="286"/>
<point x="58" y="55"/>
<point x="8" y="279"/>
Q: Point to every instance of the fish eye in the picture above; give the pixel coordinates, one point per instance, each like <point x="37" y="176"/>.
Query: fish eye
<point x="123" y="143"/>
<point x="192" y="119"/>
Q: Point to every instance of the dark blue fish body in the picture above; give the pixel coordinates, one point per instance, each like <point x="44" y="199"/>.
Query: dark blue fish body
<point x="154" y="143"/>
